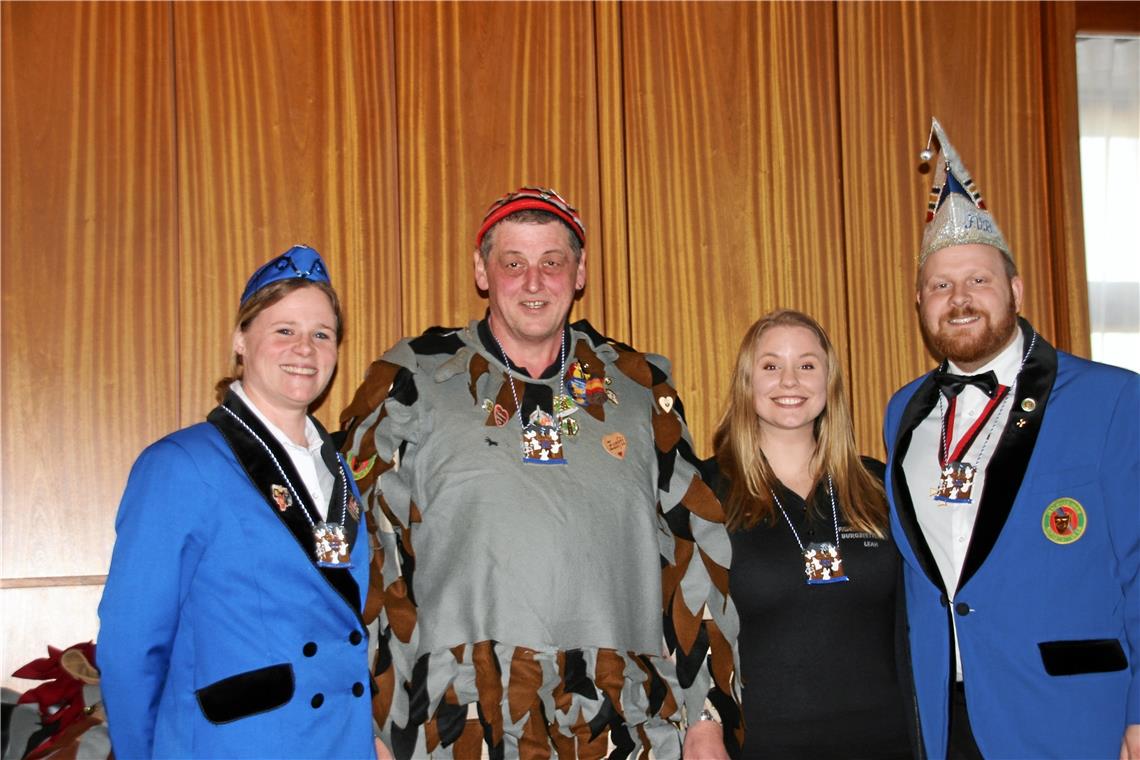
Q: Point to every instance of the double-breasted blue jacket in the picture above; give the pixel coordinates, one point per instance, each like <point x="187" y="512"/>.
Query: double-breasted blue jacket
<point x="1048" y="628"/>
<point x="219" y="635"/>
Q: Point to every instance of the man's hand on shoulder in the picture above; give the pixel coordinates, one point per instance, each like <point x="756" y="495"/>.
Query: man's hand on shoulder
<point x="704" y="740"/>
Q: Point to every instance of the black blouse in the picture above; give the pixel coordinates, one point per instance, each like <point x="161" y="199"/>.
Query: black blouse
<point x="818" y="663"/>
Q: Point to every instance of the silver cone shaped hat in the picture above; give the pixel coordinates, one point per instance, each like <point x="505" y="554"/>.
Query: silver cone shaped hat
<point x="956" y="212"/>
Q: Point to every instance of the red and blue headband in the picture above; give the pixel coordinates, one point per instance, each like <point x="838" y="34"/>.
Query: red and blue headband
<point x="537" y="198"/>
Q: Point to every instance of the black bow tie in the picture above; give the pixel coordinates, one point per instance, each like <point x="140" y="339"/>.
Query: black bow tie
<point x="951" y="385"/>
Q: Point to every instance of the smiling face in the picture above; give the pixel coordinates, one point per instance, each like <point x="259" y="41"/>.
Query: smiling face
<point x="531" y="276"/>
<point x="968" y="304"/>
<point x="288" y="353"/>
<point x="789" y="379"/>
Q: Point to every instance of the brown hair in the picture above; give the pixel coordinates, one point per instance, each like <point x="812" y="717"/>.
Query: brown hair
<point x="860" y="495"/>
<point x="262" y="300"/>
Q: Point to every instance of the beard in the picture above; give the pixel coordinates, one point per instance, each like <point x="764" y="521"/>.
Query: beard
<point x="973" y="349"/>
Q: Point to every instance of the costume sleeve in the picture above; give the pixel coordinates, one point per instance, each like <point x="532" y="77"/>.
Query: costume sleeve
<point x="381" y="444"/>
<point x="700" y="621"/>
<point x="160" y="538"/>
<point x="1120" y="472"/>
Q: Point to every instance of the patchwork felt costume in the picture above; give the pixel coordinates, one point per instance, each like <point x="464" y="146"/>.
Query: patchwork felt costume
<point x="561" y="606"/>
<point x="220" y="636"/>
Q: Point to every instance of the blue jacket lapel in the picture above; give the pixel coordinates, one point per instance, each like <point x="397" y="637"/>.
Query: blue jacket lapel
<point x="1010" y="459"/>
<point x="264" y="474"/>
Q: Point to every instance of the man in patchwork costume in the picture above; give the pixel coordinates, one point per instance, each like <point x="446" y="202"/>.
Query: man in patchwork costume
<point x="1014" y="480"/>
<point x="550" y="571"/>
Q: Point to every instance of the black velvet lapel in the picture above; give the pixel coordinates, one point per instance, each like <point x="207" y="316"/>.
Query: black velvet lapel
<point x="339" y="497"/>
<point x="1007" y="467"/>
<point x="916" y="411"/>
<point x="263" y="473"/>
<point x="341" y="579"/>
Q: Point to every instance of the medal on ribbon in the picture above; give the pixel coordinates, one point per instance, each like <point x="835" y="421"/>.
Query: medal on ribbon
<point x="542" y="440"/>
<point x="955" y="484"/>
<point x="332" y="547"/>
<point x="955" y="475"/>
<point x="822" y="564"/>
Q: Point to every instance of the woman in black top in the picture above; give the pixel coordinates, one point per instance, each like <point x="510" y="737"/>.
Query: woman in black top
<point x="814" y="572"/>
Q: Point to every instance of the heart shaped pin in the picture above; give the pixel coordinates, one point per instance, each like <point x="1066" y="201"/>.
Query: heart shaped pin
<point x="501" y="415"/>
<point x="666" y="403"/>
<point x="615" y="444"/>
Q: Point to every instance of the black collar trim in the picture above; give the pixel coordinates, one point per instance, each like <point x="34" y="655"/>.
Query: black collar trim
<point x="489" y="344"/>
<point x="264" y="475"/>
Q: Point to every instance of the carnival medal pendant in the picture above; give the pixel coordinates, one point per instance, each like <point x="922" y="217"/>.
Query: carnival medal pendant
<point x="955" y="483"/>
<point x="822" y="564"/>
<point x="332" y="548"/>
<point x="564" y="407"/>
<point x="576" y="383"/>
<point x="541" y="440"/>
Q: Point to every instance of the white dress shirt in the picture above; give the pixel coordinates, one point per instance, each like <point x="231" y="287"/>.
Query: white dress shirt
<point x="315" y="475"/>
<point x="948" y="526"/>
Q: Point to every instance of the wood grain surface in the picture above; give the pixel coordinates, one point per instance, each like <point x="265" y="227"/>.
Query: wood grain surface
<point x="286" y="134"/>
<point x="490" y="96"/>
<point x="90" y="320"/>
<point x="87" y="224"/>
<point x="732" y="159"/>
<point x="977" y="67"/>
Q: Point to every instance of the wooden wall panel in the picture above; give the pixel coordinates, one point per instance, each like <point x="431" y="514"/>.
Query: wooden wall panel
<point x="491" y="96"/>
<point x="728" y="158"/>
<point x="285" y="135"/>
<point x="901" y="63"/>
<point x="732" y="151"/>
<point x="610" y="232"/>
<point x="87" y="229"/>
<point x="87" y="323"/>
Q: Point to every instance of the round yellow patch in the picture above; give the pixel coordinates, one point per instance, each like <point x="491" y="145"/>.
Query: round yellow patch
<point x="1064" y="521"/>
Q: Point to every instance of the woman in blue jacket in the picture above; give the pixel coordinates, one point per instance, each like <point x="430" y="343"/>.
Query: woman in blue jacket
<point x="231" y="619"/>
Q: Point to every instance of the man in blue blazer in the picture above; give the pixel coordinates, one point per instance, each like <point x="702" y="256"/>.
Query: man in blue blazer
<point x="1014" y="480"/>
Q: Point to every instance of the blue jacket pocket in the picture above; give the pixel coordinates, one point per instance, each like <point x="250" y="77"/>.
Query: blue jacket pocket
<point x="246" y="694"/>
<point x="1070" y="658"/>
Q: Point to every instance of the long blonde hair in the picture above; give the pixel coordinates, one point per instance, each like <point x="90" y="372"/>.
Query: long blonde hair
<point x="736" y="442"/>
